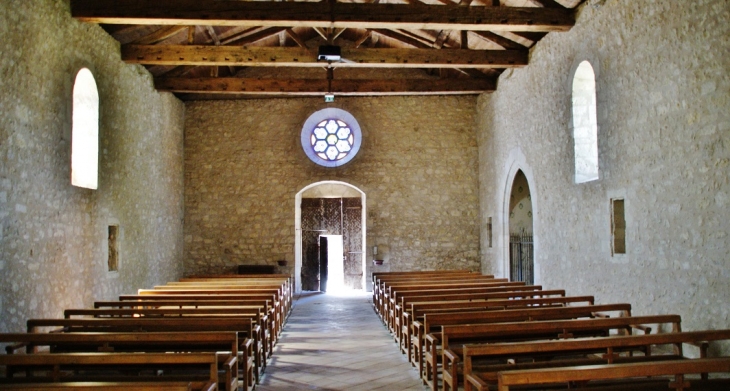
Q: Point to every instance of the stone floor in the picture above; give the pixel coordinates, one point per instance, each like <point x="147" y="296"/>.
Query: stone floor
<point x="337" y="342"/>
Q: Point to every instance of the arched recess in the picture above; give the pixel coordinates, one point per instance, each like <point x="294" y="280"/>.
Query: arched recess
<point x="516" y="161"/>
<point x="520" y="231"/>
<point x="325" y="189"/>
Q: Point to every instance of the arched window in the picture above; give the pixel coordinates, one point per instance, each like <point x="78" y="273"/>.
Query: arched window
<point x="85" y="131"/>
<point x="585" y="124"/>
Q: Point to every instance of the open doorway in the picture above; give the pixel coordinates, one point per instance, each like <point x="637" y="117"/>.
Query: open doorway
<point x="331" y="263"/>
<point x="521" y="243"/>
<point x="330" y="225"/>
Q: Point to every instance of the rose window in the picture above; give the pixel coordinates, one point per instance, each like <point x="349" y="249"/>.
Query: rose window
<point x="331" y="137"/>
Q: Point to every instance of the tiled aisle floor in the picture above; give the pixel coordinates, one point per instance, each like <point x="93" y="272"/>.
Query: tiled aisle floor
<point x="337" y="343"/>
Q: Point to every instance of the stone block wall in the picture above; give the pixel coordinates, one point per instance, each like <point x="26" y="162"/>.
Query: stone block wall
<point x="53" y="236"/>
<point x="663" y="106"/>
<point x="244" y="165"/>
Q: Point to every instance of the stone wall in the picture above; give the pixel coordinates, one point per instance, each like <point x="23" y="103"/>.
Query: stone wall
<point x="663" y="101"/>
<point x="244" y="165"/>
<point x="53" y="236"/>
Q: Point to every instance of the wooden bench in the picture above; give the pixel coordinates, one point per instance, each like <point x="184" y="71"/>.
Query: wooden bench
<point x="453" y="337"/>
<point x="404" y="329"/>
<point x="388" y="312"/>
<point x="112" y="386"/>
<point x="383" y="290"/>
<point x="431" y="323"/>
<point x="606" y="348"/>
<point x="264" y="342"/>
<point x="221" y="293"/>
<point x="629" y="373"/>
<point x="245" y="328"/>
<point x="377" y="277"/>
<point x="140" y="342"/>
<point x="52" y="367"/>
<point x="395" y="304"/>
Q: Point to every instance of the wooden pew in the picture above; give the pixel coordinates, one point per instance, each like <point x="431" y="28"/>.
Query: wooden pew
<point x="125" y="366"/>
<point x="453" y="337"/>
<point x="404" y="327"/>
<point x="606" y="348"/>
<point x="377" y="277"/>
<point x="255" y="313"/>
<point x="155" y="342"/>
<point x="388" y="312"/>
<point x="629" y="373"/>
<point x="221" y="293"/>
<point x="245" y="328"/>
<point x="112" y="386"/>
<point x="382" y="291"/>
<point x="395" y="304"/>
<point x="241" y="291"/>
<point x="420" y="309"/>
<point x="431" y="323"/>
<point x="395" y="290"/>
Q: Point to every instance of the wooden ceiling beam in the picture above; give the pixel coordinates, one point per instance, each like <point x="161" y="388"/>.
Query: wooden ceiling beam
<point x="318" y="87"/>
<point x="322" y="14"/>
<point x="300" y="57"/>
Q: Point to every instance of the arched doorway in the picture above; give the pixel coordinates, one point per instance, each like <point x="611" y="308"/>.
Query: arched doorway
<point x="329" y="214"/>
<point x="521" y="247"/>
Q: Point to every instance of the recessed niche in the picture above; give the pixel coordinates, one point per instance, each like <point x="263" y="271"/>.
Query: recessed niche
<point x="113" y="261"/>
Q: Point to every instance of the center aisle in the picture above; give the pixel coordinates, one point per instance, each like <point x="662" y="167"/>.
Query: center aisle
<point x="337" y="342"/>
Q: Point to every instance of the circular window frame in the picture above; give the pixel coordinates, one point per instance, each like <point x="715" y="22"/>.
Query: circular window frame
<point x="330" y="113"/>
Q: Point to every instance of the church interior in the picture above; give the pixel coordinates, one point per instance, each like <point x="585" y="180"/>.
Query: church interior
<point x="572" y="144"/>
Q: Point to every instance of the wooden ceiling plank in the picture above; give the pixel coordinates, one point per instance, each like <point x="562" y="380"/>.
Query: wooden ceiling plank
<point x="464" y="42"/>
<point x="499" y="40"/>
<point x="234" y="85"/>
<point x="301" y="57"/>
<point x="160" y="35"/>
<point x="320" y="14"/>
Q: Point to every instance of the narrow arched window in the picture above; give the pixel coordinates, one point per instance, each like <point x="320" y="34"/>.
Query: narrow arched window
<point x="585" y="124"/>
<point x="85" y="131"/>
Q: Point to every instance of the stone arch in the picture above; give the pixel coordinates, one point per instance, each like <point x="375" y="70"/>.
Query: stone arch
<point x="327" y="187"/>
<point x="516" y="161"/>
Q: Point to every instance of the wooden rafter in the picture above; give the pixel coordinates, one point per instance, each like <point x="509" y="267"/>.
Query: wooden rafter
<point x="296" y="38"/>
<point x="547" y="3"/>
<point x="499" y="40"/>
<point x="301" y="57"/>
<point x="322" y="14"/>
<point x="402" y="38"/>
<point x="160" y="35"/>
<point x="246" y="39"/>
<point x="309" y="87"/>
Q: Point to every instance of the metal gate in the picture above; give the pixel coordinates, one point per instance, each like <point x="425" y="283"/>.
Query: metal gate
<point x="521" y="253"/>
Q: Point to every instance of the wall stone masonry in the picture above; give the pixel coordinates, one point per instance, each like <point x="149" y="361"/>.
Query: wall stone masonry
<point x="417" y="165"/>
<point x="53" y="236"/>
<point x="663" y="97"/>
